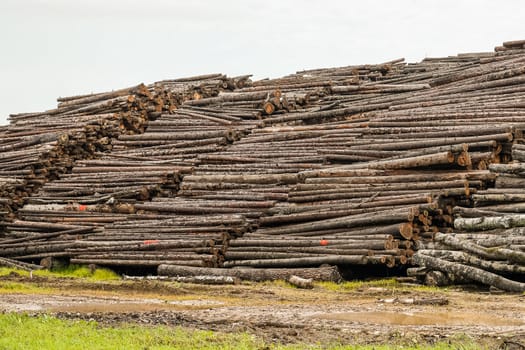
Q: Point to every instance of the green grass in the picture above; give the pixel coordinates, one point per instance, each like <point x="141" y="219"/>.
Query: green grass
<point x="353" y="285"/>
<point x="346" y="286"/>
<point x="71" y="271"/>
<point x="22" y="332"/>
<point x="77" y="271"/>
<point x="274" y="283"/>
<point x="16" y="287"/>
<point x="386" y="283"/>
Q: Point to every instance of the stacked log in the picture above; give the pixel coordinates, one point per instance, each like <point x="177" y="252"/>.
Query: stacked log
<point x="145" y="239"/>
<point x="32" y="241"/>
<point x="175" y="226"/>
<point x="38" y="147"/>
<point x="180" y="138"/>
<point x="488" y="245"/>
<point x="216" y="209"/>
<point x="85" y="192"/>
<point x="360" y="215"/>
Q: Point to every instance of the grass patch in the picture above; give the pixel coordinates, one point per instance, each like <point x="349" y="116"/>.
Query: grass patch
<point x="22" y="332"/>
<point x="388" y="283"/>
<point x="77" y="271"/>
<point x="70" y="271"/>
<point x="274" y="283"/>
<point x="16" y="287"/>
<point x="34" y="286"/>
<point x="6" y="271"/>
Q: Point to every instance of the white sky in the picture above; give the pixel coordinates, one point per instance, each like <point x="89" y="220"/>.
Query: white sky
<point x="52" y="48"/>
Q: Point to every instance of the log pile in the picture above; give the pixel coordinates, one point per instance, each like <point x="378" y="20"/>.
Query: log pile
<point x="75" y="183"/>
<point x="371" y="164"/>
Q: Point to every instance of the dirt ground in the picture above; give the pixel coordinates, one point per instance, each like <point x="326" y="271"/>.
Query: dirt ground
<point x="279" y="313"/>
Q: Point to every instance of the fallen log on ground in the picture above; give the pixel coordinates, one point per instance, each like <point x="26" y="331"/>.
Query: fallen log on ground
<point x="328" y="273"/>
<point x="204" y="279"/>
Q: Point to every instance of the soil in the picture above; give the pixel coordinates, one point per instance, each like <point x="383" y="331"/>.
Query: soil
<point x="278" y="313"/>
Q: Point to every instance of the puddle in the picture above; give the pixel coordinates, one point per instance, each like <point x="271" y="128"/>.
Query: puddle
<point x="421" y="318"/>
<point x="196" y="302"/>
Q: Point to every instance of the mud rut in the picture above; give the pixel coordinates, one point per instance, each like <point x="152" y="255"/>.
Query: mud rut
<point x="282" y="314"/>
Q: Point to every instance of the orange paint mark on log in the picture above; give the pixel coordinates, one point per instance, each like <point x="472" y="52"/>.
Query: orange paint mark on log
<point x="151" y="241"/>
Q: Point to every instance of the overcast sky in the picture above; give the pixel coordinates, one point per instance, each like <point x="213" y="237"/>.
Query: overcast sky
<point x="52" y="48"/>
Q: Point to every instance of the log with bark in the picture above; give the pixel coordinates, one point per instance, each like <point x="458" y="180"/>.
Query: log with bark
<point x="326" y="273"/>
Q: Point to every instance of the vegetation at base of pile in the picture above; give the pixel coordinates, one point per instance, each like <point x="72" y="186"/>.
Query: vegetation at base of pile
<point x="20" y="331"/>
<point x="383" y="283"/>
<point x="7" y="287"/>
<point x="70" y="271"/>
<point x="83" y="273"/>
<point x="353" y="285"/>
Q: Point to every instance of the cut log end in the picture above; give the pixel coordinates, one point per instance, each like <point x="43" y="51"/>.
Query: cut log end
<point x="406" y="230"/>
<point x="268" y="108"/>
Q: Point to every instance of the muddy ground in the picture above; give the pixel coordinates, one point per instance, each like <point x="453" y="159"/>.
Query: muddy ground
<point x="278" y="313"/>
